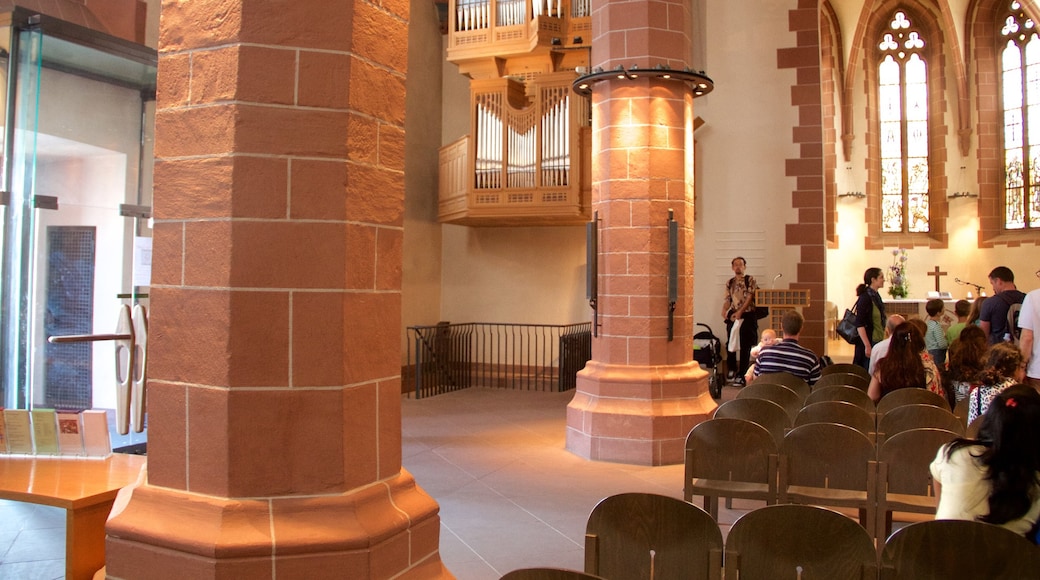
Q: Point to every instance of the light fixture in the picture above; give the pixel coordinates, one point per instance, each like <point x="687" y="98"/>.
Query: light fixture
<point x="698" y="82"/>
<point x="577" y="40"/>
<point x="556" y="41"/>
<point x="848" y="184"/>
<point x="960" y="183"/>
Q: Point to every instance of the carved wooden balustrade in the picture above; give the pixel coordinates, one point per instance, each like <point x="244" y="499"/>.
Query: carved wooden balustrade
<point x="526" y="160"/>
<point x="478" y="29"/>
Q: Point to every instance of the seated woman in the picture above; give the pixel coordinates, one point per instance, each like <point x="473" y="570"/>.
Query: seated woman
<point x="907" y="365"/>
<point x="994" y="478"/>
<point x="967" y="359"/>
<point x="1004" y="367"/>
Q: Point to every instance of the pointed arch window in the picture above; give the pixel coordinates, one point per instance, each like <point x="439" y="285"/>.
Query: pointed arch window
<point x="1019" y="56"/>
<point x="903" y="117"/>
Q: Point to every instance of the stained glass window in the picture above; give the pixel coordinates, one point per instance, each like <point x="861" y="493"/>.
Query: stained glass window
<point x="903" y="117"/>
<point x="1020" y="92"/>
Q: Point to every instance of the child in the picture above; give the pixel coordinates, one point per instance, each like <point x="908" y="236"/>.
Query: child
<point x="961" y="309"/>
<point x="935" y="337"/>
<point x="768" y="339"/>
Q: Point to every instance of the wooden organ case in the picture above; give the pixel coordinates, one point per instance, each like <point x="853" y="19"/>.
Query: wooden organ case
<point x="527" y="158"/>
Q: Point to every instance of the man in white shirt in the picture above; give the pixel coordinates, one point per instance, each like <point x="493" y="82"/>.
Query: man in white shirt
<point x="1029" y="322"/>
<point x="880" y="349"/>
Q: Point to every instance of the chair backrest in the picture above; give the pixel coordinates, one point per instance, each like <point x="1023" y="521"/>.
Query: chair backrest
<point x="783" y="396"/>
<point x="845" y="368"/>
<point x="629" y="534"/>
<point x="837" y="412"/>
<point x="972" y="430"/>
<point x="780" y="540"/>
<point x="548" y="574"/>
<point x="906" y="417"/>
<point x="841" y="393"/>
<point x="961" y="409"/>
<point x="958" y="549"/>
<point x="906" y="457"/>
<point x="911" y="396"/>
<point x="761" y="411"/>
<point x="847" y="379"/>
<point x="730" y="450"/>
<point x="827" y="455"/>
<point x="796" y="384"/>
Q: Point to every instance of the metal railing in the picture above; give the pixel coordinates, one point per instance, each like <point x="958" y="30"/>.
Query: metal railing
<point x="537" y="357"/>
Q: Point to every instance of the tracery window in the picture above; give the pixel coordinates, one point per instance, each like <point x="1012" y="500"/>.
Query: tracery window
<point x="903" y="117"/>
<point x="1019" y="55"/>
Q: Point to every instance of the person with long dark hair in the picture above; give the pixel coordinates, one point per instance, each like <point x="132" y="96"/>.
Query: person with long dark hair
<point x="967" y="359"/>
<point x="906" y="366"/>
<point x="994" y="478"/>
<point x="870" y="315"/>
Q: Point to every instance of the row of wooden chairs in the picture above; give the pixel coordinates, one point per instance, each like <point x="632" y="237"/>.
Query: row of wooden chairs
<point x="818" y="463"/>
<point x="778" y="420"/>
<point x="638" y="535"/>
<point x="792" y="400"/>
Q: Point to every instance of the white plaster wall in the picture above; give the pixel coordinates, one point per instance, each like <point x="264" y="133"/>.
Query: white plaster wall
<point x="743" y="196"/>
<point x="421" y="254"/>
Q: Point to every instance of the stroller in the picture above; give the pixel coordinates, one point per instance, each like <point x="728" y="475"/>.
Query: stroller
<point x="707" y="351"/>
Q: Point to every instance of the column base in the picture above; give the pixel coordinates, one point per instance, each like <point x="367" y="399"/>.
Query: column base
<point x="389" y="529"/>
<point x="637" y="414"/>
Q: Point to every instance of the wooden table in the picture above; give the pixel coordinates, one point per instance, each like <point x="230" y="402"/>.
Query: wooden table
<point x="86" y="488"/>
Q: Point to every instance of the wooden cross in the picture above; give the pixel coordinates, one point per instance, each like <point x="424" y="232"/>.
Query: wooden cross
<point x="937" y="273"/>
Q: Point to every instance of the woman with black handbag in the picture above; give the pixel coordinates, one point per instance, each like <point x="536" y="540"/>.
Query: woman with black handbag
<point x="870" y="315"/>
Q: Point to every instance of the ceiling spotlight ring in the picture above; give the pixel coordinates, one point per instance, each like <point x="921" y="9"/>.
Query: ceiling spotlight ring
<point x="698" y="82"/>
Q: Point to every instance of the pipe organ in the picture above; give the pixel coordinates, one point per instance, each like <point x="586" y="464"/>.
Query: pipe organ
<point x="526" y="159"/>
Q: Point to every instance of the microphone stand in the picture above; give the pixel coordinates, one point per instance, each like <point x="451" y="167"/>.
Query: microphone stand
<point x="977" y="287"/>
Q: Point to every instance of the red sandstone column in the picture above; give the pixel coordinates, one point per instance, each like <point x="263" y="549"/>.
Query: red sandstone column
<point x="640" y="395"/>
<point x="274" y="393"/>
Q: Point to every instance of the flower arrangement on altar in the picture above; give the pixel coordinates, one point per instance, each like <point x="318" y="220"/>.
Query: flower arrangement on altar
<point x="898" y="285"/>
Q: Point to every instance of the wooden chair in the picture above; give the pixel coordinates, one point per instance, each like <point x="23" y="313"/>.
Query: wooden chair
<point x="796" y="384"/>
<point x="731" y="458"/>
<point x="762" y="411"/>
<point x="842" y="393"/>
<point x="783" y="396"/>
<point x="845" y="368"/>
<point x="837" y="412"/>
<point x="630" y="534"/>
<point x="910" y="397"/>
<point x="906" y="417"/>
<point x="972" y="430"/>
<point x="961" y="410"/>
<point x="548" y="574"/>
<point x="830" y="465"/>
<point x="957" y="550"/>
<point x="798" y="541"/>
<point x="847" y="379"/>
<point x="904" y="477"/>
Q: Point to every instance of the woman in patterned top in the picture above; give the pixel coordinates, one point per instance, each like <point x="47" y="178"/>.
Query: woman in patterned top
<point x="1004" y="367"/>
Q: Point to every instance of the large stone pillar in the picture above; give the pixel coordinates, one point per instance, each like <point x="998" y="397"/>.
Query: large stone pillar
<point x="640" y="395"/>
<point x="274" y="395"/>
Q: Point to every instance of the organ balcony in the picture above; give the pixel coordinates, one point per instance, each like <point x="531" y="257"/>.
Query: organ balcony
<point x="485" y="35"/>
<point x="527" y="159"/>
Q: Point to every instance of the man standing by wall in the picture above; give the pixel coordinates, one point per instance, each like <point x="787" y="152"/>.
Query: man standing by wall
<point x="993" y="319"/>
<point x="739" y="305"/>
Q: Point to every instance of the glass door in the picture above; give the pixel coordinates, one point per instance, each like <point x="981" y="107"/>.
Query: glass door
<point x="78" y="173"/>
